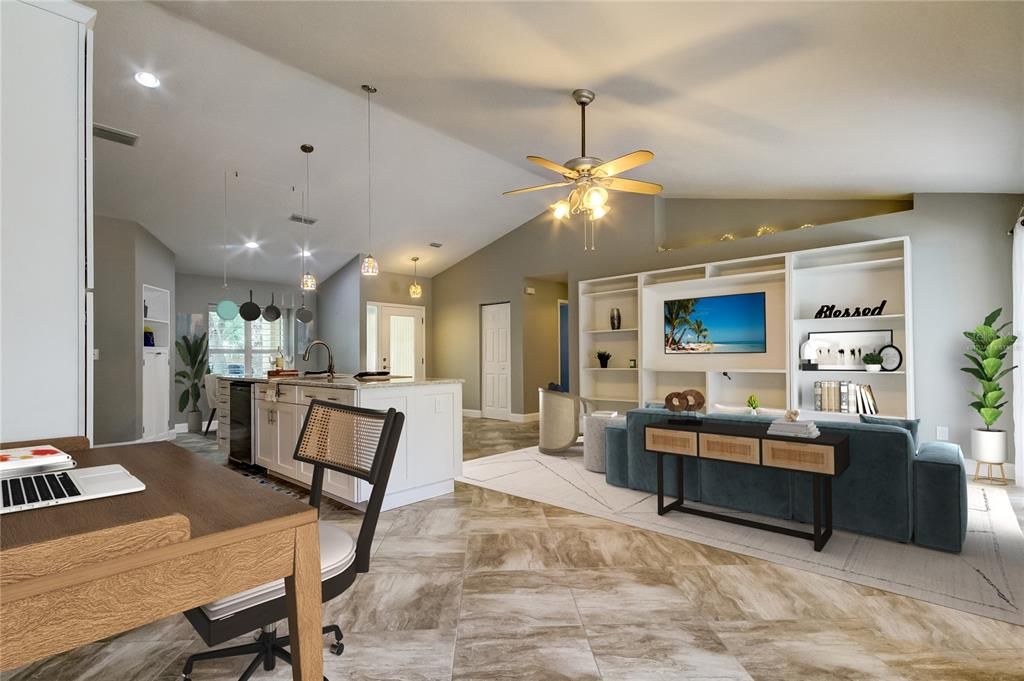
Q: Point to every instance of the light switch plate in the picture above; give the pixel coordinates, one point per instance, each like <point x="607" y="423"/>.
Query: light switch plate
<point x="942" y="433"/>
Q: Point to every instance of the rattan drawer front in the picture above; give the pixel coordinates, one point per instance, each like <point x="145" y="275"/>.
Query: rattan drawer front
<point x="800" y="456"/>
<point x="730" y="448"/>
<point x="671" y="441"/>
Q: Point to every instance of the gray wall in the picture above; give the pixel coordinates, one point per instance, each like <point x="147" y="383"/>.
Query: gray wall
<point x="540" y="337"/>
<point x="340" y="312"/>
<point x="127" y="256"/>
<point x="195" y="292"/>
<point x="961" y="271"/>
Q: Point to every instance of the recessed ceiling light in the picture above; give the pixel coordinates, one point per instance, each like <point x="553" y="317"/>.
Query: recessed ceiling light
<point x="147" y="79"/>
<point x="251" y="244"/>
<point x="306" y="254"/>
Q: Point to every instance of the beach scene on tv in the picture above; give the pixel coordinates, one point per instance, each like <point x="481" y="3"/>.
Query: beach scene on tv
<point x="733" y="323"/>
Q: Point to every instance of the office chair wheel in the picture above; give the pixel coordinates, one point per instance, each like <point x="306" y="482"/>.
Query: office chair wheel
<point x="186" y="677"/>
<point x="337" y="648"/>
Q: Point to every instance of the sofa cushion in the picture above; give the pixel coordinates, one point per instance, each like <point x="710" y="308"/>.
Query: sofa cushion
<point x="908" y="424"/>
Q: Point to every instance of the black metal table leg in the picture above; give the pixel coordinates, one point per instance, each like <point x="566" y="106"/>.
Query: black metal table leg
<point x="676" y="505"/>
<point x="661" y="484"/>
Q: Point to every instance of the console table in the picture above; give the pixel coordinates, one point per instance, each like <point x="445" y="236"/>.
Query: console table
<point x="824" y="457"/>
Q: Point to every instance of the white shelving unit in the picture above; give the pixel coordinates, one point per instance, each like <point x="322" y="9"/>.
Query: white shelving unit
<point x="156" y="314"/>
<point x="796" y="285"/>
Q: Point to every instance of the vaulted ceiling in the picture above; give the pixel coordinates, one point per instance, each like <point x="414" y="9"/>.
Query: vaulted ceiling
<point x="736" y="99"/>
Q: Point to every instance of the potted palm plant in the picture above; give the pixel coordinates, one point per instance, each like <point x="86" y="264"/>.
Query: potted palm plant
<point x="192" y="352"/>
<point x="986" y="354"/>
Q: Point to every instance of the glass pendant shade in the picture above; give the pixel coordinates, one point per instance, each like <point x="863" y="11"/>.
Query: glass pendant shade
<point x="308" y="282"/>
<point x="595" y="198"/>
<point x="415" y="290"/>
<point x="369" y="267"/>
<point x="560" y="209"/>
<point x="227" y="310"/>
<point x="599" y="212"/>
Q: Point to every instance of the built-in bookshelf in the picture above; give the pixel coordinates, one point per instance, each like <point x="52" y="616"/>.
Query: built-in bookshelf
<point x="796" y="285"/>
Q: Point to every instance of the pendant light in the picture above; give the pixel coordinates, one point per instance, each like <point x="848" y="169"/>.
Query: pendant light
<point x="226" y="309"/>
<point x="415" y="290"/>
<point x="369" y="267"/>
<point x="308" y="280"/>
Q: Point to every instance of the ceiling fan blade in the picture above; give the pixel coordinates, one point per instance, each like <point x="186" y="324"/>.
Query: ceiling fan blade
<point x="552" y="166"/>
<point x="621" y="184"/>
<point x="624" y="163"/>
<point x="533" y="189"/>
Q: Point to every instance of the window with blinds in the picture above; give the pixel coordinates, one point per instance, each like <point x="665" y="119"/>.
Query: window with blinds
<point x="239" y="347"/>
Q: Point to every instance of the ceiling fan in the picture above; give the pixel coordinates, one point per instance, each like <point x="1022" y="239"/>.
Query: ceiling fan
<point x="591" y="176"/>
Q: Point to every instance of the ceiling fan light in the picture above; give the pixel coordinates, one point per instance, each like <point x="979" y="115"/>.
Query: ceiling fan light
<point x="560" y="209"/>
<point x="599" y="212"/>
<point x="595" y="197"/>
<point x="369" y="268"/>
<point x="308" y="282"/>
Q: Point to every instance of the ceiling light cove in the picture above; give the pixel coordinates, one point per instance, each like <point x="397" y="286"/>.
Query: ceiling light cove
<point x="147" y="79"/>
<point x="251" y="244"/>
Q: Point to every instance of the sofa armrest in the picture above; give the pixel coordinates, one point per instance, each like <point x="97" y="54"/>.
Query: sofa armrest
<point x="940" y="496"/>
<point x="940" y="452"/>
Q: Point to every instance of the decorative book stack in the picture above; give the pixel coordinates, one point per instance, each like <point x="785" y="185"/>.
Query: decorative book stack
<point x="786" y="428"/>
<point x="844" y="397"/>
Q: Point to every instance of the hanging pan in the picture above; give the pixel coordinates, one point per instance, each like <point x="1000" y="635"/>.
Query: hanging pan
<point x="304" y="314"/>
<point x="271" y="312"/>
<point x="249" y="311"/>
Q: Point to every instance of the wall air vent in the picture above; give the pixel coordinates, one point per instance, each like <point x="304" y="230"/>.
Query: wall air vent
<point x="302" y="219"/>
<point x="114" y="135"/>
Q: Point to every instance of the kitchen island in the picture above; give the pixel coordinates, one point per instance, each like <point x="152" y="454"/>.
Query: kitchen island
<point x="429" y="455"/>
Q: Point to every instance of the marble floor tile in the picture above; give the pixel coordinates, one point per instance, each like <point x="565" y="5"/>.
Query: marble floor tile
<point x="419" y="554"/>
<point x="381" y="601"/>
<point x="483" y="437"/>
<point x="957" y="665"/>
<point x="420" y="522"/>
<point x="494" y="602"/>
<point x="537" y="654"/>
<point x="656" y="652"/>
<point x="622" y="596"/>
<point x="135" y="660"/>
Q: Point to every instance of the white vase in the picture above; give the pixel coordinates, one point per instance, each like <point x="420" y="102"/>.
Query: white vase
<point x="988" y="446"/>
<point x="872" y="368"/>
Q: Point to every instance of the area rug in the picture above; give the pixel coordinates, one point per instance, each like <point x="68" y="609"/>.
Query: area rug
<point x="986" y="578"/>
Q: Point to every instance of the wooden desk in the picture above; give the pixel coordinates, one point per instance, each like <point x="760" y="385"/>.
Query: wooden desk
<point x="238" y="535"/>
<point x="825" y="457"/>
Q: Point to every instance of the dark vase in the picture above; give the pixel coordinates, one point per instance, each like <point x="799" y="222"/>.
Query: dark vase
<point x="616" y="319"/>
<point x="604" y="361"/>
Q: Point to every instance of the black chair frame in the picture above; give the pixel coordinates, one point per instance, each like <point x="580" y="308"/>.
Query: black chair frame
<point x="269" y="647"/>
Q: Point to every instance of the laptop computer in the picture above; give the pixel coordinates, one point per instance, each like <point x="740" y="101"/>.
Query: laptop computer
<point x="26" y="492"/>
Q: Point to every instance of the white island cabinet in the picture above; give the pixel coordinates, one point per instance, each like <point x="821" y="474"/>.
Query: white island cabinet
<point x="429" y="455"/>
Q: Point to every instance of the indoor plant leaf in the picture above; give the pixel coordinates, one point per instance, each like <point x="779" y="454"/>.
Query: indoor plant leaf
<point x="183" y="400"/>
<point x="992" y="399"/>
<point x="993" y="316"/>
<point x="991" y="366"/>
<point x="990" y="415"/>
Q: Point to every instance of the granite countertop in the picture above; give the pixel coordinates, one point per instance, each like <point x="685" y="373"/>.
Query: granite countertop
<point x="343" y="381"/>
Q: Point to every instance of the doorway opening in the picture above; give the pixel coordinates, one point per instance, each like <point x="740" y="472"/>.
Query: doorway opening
<point x="396" y="339"/>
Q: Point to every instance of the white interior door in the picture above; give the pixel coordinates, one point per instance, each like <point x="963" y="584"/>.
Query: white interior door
<point x="496" y="336"/>
<point x="402" y="340"/>
<point x="156" y="369"/>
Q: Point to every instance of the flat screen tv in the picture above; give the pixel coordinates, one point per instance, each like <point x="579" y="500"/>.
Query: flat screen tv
<point x="715" y="324"/>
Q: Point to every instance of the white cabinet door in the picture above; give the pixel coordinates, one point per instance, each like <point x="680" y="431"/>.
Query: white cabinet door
<point x="264" y="433"/>
<point x="287" y="421"/>
<point x="156" y="369"/>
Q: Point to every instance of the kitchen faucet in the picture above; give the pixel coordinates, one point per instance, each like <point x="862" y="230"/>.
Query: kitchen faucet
<point x="330" y="358"/>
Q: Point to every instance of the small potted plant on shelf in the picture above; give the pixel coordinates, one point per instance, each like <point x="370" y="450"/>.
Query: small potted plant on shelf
<point x="753" y="403"/>
<point x="603" y="356"/>
<point x="192" y="352"/>
<point x="988" y="349"/>
<point x="872" y="361"/>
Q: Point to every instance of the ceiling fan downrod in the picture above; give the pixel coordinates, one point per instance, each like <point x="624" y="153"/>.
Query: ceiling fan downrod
<point x="583" y="97"/>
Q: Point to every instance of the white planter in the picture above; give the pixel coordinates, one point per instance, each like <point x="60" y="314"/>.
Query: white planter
<point x="872" y="368"/>
<point x="988" y="446"/>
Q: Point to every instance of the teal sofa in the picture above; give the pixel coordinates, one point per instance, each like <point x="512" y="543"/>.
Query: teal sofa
<point x="891" y="489"/>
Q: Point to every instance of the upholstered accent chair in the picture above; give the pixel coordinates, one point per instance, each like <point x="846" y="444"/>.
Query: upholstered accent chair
<point x="560" y="419"/>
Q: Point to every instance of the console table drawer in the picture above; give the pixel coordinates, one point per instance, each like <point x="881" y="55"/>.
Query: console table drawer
<point x="730" y="448"/>
<point x="800" y="456"/>
<point x="671" y="441"/>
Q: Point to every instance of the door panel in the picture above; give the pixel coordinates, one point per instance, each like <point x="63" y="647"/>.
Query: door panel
<point x="496" y="340"/>
<point x="401" y="339"/>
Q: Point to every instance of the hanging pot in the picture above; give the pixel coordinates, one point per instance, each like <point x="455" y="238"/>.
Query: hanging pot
<point x="304" y="314"/>
<point x="249" y="311"/>
<point x="271" y="312"/>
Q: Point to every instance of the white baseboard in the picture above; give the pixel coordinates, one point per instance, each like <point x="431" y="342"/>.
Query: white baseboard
<point x="971" y="464"/>
<point x="525" y="418"/>
<point x="183" y="427"/>
<point x="471" y="413"/>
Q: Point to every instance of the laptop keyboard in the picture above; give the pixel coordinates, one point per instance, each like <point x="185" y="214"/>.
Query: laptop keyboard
<point x="34" y="488"/>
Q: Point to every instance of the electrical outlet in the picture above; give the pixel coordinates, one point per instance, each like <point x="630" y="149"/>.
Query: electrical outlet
<point x="942" y="433"/>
